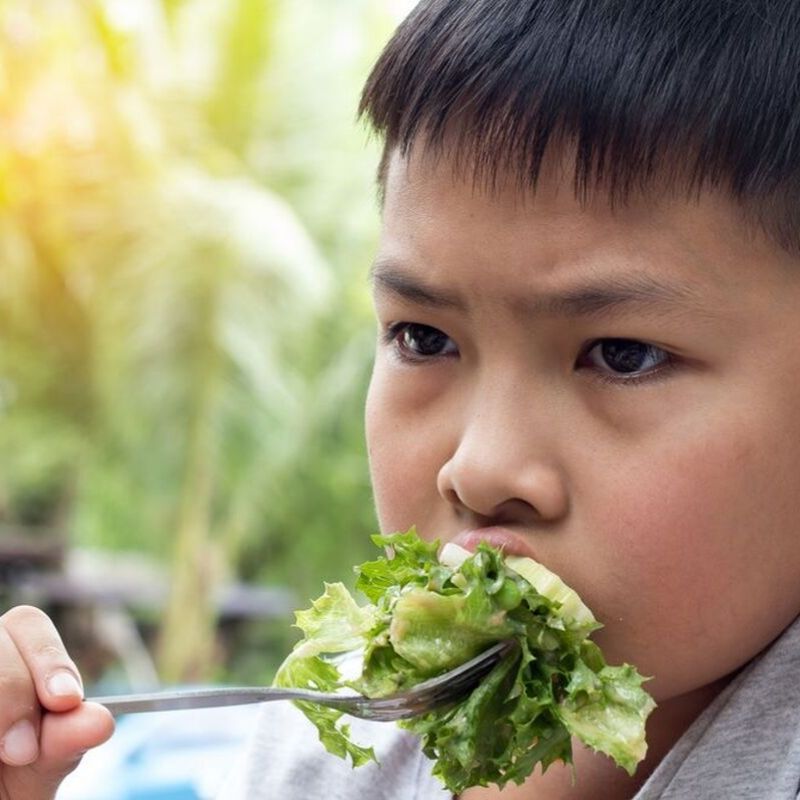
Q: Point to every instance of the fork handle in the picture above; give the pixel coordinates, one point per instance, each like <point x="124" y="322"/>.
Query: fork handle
<point x="180" y="699"/>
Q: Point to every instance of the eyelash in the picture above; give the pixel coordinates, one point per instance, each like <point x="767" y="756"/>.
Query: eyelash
<point x="392" y="337"/>
<point x="657" y="373"/>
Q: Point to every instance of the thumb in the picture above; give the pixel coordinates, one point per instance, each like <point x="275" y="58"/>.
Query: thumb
<point x="63" y="740"/>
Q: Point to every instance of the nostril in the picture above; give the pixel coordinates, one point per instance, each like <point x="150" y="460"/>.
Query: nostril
<point x="518" y="512"/>
<point x="476" y="511"/>
<point x="452" y="497"/>
<point x="509" y="512"/>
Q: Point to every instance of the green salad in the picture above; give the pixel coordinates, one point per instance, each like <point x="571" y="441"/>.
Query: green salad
<point x="427" y="614"/>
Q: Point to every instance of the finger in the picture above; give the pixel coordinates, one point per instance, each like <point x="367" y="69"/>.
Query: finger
<point x="65" y="737"/>
<point x="19" y="706"/>
<point x="70" y="734"/>
<point x="55" y="676"/>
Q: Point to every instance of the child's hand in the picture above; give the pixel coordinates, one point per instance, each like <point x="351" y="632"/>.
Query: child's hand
<point x="44" y="726"/>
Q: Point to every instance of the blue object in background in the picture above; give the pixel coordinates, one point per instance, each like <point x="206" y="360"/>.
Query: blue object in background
<point x="171" y="755"/>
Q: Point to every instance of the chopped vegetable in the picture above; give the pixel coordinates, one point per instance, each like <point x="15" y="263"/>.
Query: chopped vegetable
<point x="425" y="616"/>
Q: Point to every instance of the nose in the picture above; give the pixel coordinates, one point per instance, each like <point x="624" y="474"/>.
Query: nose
<point x="503" y="470"/>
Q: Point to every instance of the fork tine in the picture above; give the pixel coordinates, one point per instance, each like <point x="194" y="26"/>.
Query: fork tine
<point x="433" y="693"/>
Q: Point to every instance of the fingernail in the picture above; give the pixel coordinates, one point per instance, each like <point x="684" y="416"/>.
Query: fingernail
<point x="64" y="684"/>
<point x="19" y="745"/>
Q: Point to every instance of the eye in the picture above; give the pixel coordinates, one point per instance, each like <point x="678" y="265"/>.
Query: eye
<point x="624" y="359"/>
<point x="417" y="342"/>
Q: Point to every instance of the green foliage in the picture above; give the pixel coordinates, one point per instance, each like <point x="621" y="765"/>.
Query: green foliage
<point x="186" y="221"/>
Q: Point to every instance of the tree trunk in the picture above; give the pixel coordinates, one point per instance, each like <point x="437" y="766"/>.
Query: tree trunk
<point x="186" y="649"/>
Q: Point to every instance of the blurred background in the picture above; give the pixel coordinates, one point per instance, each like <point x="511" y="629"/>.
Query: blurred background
<point x="187" y="217"/>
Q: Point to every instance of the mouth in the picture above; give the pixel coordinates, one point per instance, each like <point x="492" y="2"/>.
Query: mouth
<point x="507" y="541"/>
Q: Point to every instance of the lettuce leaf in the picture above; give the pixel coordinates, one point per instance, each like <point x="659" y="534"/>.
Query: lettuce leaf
<point x="425" y="617"/>
<point x="333" y="625"/>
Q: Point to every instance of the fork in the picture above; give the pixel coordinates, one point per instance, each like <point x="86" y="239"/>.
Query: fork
<point x="421" y="698"/>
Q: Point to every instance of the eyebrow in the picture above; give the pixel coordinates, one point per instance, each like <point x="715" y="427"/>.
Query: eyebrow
<point x="390" y="279"/>
<point x="591" y="298"/>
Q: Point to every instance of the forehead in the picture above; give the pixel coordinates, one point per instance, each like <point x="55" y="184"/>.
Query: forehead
<point x="438" y="219"/>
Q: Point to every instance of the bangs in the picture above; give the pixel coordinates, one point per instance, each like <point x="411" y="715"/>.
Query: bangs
<point x="702" y="94"/>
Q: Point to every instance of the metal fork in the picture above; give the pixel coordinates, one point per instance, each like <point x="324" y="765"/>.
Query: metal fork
<point x="422" y="697"/>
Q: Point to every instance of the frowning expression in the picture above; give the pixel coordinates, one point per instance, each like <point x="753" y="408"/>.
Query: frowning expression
<point x="615" y="393"/>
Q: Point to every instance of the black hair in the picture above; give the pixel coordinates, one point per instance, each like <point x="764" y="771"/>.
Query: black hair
<point x="705" y="93"/>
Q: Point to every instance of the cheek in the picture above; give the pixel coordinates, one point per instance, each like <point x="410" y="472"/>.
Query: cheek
<point x="402" y="461"/>
<point x="701" y="553"/>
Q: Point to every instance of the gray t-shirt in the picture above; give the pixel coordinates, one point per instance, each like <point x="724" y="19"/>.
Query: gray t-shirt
<point x="744" y="746"/>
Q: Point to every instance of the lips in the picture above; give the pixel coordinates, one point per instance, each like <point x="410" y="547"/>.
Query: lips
<point x="502" y="538"/>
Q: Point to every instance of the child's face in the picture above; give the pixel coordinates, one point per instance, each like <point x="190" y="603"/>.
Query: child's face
<point x="614" y="394"/>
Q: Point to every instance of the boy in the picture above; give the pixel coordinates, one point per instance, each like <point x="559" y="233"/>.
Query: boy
<point x="587" y="292"/>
